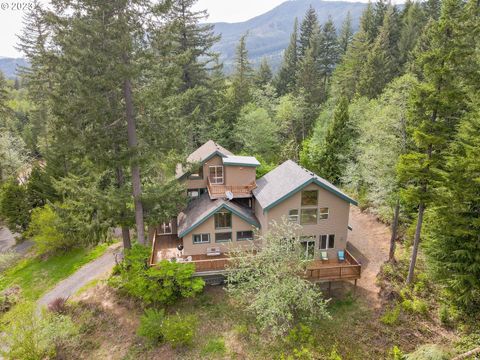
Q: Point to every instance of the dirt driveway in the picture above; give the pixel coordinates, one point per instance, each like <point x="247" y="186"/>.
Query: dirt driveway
<point x="369" y="243"/>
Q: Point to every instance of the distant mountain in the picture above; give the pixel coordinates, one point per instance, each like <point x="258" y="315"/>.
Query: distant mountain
<point x="8" y="66"/>
<point x="269" y="33"/>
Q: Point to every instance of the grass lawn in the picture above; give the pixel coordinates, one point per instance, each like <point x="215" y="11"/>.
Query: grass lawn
<point x="35" y="275"/>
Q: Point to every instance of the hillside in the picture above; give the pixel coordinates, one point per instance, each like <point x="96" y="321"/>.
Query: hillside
<point x="8" y="66"/>
<point x="269" y="33"/>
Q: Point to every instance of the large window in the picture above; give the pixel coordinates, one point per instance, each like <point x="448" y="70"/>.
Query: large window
<point x="323" y="214"/>
<point x="244" y="235"/>
<point x="327" y="241"/>
<point x="308" y="217"/>
<point x="309" y="198"/>
<point x="166" y="228"/>
<point x="216" y="174"/>
<point x="293" y="215"/>
<point x="223" y="237"/>
<point x="201" y="238"/>
<point x="223" y="220"/>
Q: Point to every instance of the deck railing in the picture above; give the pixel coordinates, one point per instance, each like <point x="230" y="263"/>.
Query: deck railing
<point x="237" y="190"/>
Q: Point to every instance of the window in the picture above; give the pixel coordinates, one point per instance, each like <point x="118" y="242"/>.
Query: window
<point x="293" y="215"/>
<point x="244" y="235"/>
<point x="308" y="246"/>
<point x="201" y="238"/>
<point x="216" y="174"/>
<point x="165" y="228"/>
<point x="223" y="220"/>
<point x="327" y="242"/>
<point x="308" y="216"/>
<point x="323" y="215"/>
<point x="223" y="237"/>
<point x="309" y="198"/>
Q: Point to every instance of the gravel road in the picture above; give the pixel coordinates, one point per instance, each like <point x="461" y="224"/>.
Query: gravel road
<point x="94" y="270"/>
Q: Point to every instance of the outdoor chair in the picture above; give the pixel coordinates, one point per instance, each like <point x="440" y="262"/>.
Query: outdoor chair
<point x="324" y="255"/>
<point x="341" y="255"/>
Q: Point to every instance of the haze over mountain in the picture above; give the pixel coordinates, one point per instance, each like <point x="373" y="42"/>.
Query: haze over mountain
<point x="268" y="33"/>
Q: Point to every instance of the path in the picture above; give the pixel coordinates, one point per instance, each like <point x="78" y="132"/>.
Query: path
<point x="7" y="242"/>
<point x="94" y="270"/>
<point x="369" y="243"/>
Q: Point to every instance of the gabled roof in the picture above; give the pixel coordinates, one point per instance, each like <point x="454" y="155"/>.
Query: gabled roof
<point x="206" y="151"/>
<point x="202" y="154"/>
<point x="201" y="209"/>
<point x="233" y="160"/>
<point x="285" y="180"/>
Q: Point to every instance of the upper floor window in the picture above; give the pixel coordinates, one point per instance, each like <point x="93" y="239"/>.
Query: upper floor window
<point x="216" y="174"/>
<point x="223" y="237"/>
<point x="293" y="215"/>
<point x="166" y="228"/>
<point x="308" y="216"/>
<point x="323" y="213"/>
<point x="309" y="198"/>
<point x="223" y="220"/>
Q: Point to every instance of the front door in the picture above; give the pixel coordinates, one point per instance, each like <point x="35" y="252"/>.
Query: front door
<point x="308" y="248"/>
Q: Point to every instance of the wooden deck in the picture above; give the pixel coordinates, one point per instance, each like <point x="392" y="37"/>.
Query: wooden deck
<point x="218" y="191"/>
<point x="164" y="247"/>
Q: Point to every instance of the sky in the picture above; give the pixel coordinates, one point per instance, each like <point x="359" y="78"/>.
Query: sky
<point x="219" y="10"/>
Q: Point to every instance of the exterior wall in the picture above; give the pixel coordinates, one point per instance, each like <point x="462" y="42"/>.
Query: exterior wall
<point x="239" y="176"/>
<point x="202" y="183"/>
<point x="337" y="222"/>
<point x="261" y="216"/>
<point x="208" y="227"/>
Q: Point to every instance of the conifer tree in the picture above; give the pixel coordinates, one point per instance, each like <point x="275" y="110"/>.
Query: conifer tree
<point x="346" y="34"/>
<point x="286" y="78"/>
<point x="368" y="23"/>
<point x="329" y="51"/>
<point x="264" y="74"/>
<point x="307" y="30"/>
<point x="243" y="76"/>
<point x="335" y="151"/>
<point x="437" y="105"/>
<point x="413" y="21"/>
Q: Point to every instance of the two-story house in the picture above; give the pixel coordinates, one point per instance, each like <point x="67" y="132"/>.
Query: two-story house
<point x="230" y="207"/>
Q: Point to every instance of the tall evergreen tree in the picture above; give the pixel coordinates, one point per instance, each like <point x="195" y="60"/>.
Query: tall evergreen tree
<point x="437" y="105"/>
<point x="285" y="81"/>
<point x="243" y="76"/>
<point x="307" y="30"/>
<point x="328" y="52"/>
<point x="346" y="34"/>
<point x="264" y="74"/>
<point x="413" y="21"/>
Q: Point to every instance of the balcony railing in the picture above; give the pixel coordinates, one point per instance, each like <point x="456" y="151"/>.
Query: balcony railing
<point x="238" y="191"/>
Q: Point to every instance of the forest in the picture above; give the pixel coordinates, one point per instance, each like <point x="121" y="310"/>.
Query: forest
<point x="118" y="92"/>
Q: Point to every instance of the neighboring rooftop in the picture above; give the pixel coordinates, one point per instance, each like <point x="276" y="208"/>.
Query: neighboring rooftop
<point x="202" y="208"/>
<point x="241" y="160"/>
<point x="288" y="178"/>
<point x="206" y="151"/>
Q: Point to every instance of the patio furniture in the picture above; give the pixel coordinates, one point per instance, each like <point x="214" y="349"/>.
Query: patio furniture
<point x="214" y="251"/>
<point x="324" y="255"/>
<point x="341" y="255"/>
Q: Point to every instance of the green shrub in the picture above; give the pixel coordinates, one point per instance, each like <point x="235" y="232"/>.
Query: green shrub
<point x="416" y="305"/>
<point x="396" y="354"/>
<point x="179" y="330"/>
<point x="334" y="355"/>
<point x="151" y="325"/>
<point x="214" y="347"/>
<point x="7" y="259"/>
<point x="14" y="206"/>
<point x="444" y="315"/>
<point x="45" y="232"/>
<point x="391" y="316"/>
<point x="300" y="335"/>
<point x="162" y="284"/>
<point x="30" y="335"/>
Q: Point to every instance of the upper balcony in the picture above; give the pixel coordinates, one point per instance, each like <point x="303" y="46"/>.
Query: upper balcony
<point x="216" y="191"/>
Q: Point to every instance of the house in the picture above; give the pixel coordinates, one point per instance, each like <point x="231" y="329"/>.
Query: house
<point x="228" y="206"/>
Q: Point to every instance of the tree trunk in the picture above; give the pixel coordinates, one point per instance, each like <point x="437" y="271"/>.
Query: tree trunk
<point x="127" y="244"/>
<point x="416" y="242"/>
<point x="396" y="214"/>
<point x="132" y="144"/>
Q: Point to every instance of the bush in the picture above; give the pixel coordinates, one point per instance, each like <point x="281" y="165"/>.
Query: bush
<point x="334" y="355"/>
<point x="14" y="206"/>
<point x="300" y="335"/>
<point x="179" y="330"/>
<point x="214" y="347"/>
<point x="58" y="305"/>
<point x="151" y="325"/>
<point x="8" y="298"/>
<point x="162" y="284"/>
<point x="29" y="335"/>
<point x="416" y="305"/>
<point x="396" y="354"/>
<point x="391" y="316"/>
<point x="45" y="232"/>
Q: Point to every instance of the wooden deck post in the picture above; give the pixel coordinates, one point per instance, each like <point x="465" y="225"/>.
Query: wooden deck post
<point x="355" y="287"/>
<point x="329" y="288"/>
